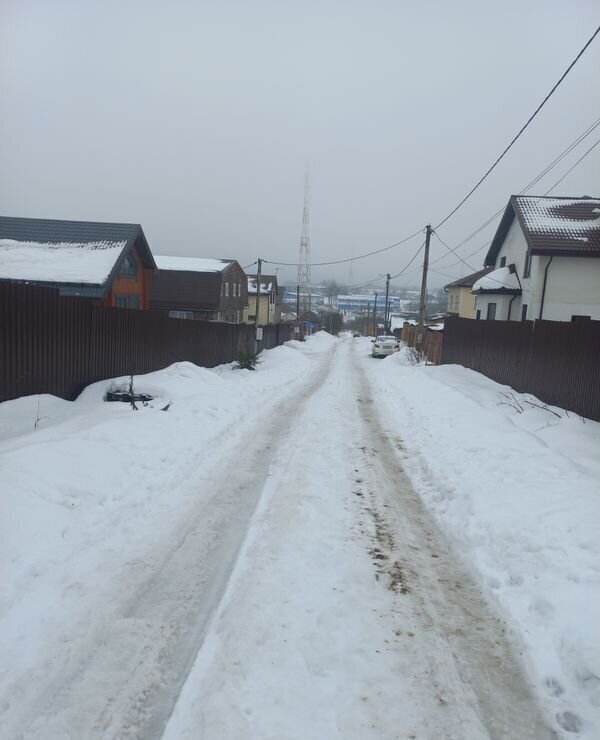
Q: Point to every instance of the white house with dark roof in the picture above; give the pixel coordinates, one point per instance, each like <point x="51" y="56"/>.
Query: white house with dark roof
<point x="546" y="260"/>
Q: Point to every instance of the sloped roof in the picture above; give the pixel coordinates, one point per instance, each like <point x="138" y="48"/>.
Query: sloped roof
<point x="502" y="280"/>
<point x="553" y="226"/>
<point x="267" y="284"/>
<point x="469" y="280"/>
<point x="191" y="264"/>
<point x="79" y="257"/>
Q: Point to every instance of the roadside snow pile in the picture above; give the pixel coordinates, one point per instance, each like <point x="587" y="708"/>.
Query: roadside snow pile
<point x="516" y="486"/>
<point x="316" y="343"/>
<point x="96" y="483"/>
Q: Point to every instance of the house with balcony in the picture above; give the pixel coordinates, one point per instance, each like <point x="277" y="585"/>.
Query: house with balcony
<point x="110" y="263"/>
<point x="544" y="260"/>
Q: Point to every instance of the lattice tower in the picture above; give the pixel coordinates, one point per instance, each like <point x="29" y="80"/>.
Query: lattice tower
<point x="304" y="279"/>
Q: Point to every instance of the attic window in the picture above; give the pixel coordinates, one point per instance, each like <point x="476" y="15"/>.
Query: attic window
<point x="128" y="266"/>
<point x="502" y="261"/>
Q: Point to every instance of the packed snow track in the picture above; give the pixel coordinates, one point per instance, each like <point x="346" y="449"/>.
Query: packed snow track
<point x="309" y="594"/>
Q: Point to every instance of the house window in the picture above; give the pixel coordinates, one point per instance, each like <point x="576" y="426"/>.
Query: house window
<point x="503" y="262"/>
<point x="478" y="314"/>
<point x="491" y="311"/>
<point x="128" y="266"/>
<point x="226" y="290"/>
<point x="527" y="269"/>
<point x="181" y="314"/>
<point x="524" y="312"/>
<point x="577" y="317"/>
<point x="127" y="300"/>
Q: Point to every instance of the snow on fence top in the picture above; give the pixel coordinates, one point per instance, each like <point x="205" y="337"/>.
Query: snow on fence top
<point x="190" y="264"/>
<point x="64" y="262"/>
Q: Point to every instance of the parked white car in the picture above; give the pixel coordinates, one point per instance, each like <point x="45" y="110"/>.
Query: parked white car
<point x="384" y="345"/>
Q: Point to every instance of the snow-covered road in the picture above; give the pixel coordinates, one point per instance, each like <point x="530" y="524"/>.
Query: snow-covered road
<point x="267" y="572"/>
<point x="348" y="616"/>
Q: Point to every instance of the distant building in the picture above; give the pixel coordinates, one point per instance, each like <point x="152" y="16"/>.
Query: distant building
<point x="269" y="308"/>
<point x="362" y="303"/>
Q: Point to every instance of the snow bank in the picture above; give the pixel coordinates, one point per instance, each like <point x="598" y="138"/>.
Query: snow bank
<point x="87" y="493"/>
<point x="315" y="343"/>
<point x="517" y="488"/>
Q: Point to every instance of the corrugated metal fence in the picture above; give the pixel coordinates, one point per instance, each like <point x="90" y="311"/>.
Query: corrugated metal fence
<point x="557" y="361"/>
<point x="432" y="341"/>
<point x="58" y="345"/>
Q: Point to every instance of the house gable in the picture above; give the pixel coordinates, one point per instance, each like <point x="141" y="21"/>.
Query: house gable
<point x="77" y="257"/>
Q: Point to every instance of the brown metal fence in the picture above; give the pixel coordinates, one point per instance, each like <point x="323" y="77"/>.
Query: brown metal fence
<point x="432" y="342"/>
<point x="58" y="345"/>
<point x="557" y="361"/>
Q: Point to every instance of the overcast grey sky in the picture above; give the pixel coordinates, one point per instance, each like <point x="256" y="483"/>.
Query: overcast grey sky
<point x="196" y="119"/>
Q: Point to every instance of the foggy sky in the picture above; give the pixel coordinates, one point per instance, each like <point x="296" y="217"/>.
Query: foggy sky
<point x="196" y="119"/>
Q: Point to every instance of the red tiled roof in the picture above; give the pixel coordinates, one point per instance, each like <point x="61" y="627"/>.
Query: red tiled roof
<point x="554" y="226"/>
<point x="570" y="225"/>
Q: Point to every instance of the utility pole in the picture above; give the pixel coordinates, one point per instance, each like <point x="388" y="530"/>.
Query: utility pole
<point x="297" y="302"/>
<point x="258" y="276"/>
<point x="375" y="317"/>
<point x="368" y="319"/>
<point x="387" y="294"/>
<point x="423" y="301"/>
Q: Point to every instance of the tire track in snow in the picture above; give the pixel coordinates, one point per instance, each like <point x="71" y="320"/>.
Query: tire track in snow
<point x="464" y="641"/>
<point x="132" y="663"/>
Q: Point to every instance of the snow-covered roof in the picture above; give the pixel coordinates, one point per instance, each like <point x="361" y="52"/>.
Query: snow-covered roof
<point x="468" y="280"/>
<point x="78" y="257"/>
<point x="552" y="226"/>
<point x="266" y="284"/>
<point x="66" y="262"/>
<point x="501" y="280"/>
<point x="571" y="217"/>
<point x="190" y="264"/>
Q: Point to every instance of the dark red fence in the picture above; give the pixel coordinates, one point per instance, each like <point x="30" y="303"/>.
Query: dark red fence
<point x="557" y="361"/>
<point x="58" y="345"/>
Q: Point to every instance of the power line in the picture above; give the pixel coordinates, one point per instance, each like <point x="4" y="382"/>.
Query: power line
<point x="521" y="130"/>
<point x="409" y="263"/>
<point x="469" y="194"/>
<point x="573" y="167"/>
<point x="536" y="179"/>
<point x="349" y="259"/>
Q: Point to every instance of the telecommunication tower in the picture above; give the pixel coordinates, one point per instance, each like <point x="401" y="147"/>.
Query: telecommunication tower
<point x="304" y="253"/>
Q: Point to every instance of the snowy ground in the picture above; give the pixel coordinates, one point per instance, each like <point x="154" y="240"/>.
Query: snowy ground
<point x="516" y="487"/>
<point x="257" y="561"/>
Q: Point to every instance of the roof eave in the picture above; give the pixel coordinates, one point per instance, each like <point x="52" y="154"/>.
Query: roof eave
<point x="501" y="291"/>
<point x="549" y="252"/>
<point x="501" y="232"/>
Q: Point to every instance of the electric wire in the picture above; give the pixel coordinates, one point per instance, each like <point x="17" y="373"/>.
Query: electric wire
<point x="535" y="180"/>
<point x="348" y="259"/>
<point x="473" y="189"/>
<point x="538" y="177"/>
<point x="573" y="167"/>
<point x="520" y="132"/>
